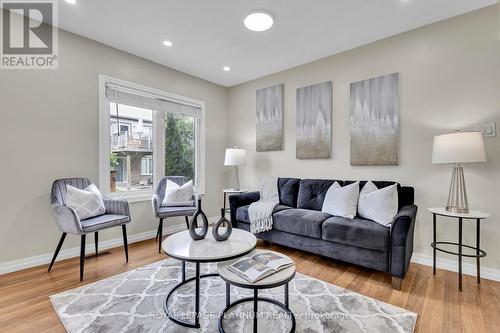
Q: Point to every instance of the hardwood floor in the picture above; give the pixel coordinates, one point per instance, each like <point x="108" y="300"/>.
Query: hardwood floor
<point x="25" y="307"/>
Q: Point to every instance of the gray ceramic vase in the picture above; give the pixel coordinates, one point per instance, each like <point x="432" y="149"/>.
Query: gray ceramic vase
<point x="193" y="224"/>
<point x="220" y="222"/>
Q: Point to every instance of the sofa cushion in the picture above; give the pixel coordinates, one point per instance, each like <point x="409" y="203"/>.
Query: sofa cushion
<point x="302" y="222"/>
<point x="312" y="193"/>
<point x="242" y="212"/>
<point x="405" y="194"/>
<point x="341" y="200"/>
<point x="288" y="189"/>
<point x="356" y="232"/>
<point x="379" y="205"/>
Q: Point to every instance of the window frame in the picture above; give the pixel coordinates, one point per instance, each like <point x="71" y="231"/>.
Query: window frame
<point x="158" y="129"/>
<point x="149" y="164"/>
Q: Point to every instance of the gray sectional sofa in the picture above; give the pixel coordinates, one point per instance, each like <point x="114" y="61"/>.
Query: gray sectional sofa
<point x="299" y="223"/>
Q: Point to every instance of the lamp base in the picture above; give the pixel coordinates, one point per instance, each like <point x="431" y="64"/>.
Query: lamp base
<point x="457" y="196"/>
<point x="236" y="184"/>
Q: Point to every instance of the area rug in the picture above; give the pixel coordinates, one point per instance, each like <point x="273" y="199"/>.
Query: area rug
<point x="133" y="302"/>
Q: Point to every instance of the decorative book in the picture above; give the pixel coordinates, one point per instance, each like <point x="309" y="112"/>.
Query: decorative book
<point x="260" y="266"/>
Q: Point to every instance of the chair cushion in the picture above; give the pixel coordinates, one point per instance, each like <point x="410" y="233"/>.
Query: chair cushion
<point x="356" y="232"/>
<point x="176" y="195"/>
<point x="87" y="203"/>
<point x="302" y="222"/>
<point x="242" y="212"/>
<point x="103" y="222"/>
<point x="175" y="211"/>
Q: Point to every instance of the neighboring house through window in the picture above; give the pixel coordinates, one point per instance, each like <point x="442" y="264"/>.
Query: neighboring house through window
<point x="146" y="134"/>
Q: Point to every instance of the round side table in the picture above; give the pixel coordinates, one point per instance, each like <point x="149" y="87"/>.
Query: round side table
<point x="280" y="278"/>
<point x="182" y="247"/>
<point x="472" y="215"/>
<point x="225" y="193"/>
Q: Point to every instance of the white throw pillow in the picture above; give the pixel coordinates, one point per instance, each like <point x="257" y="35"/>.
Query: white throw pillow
<point x="87" y="203"/>
<point x="341" y="201"/>
<point x="176" y="195"/>
<point x="379" y="205"/>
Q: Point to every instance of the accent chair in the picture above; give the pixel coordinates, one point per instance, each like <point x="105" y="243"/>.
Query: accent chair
<point x="68" y="222"/>
<point x="164" y="212"/>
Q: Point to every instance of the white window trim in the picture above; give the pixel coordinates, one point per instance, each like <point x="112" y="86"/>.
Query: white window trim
<point x="159" y="139"/>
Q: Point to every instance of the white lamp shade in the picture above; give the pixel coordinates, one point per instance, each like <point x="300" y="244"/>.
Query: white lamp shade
<point x="458" y="147"/>
<point x="235" y="156"/>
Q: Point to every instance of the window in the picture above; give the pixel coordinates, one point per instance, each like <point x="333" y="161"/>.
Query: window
<point x="147" y="166"/>
<point x="180" y="146"/>
<point x="129" y="147"/>
<point x="146" y="134"/>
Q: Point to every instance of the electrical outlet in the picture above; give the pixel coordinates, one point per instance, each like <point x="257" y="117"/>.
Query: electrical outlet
<point x="488" y="130"/>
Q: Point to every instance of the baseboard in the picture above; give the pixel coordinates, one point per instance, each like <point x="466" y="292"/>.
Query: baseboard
<point x="452" y="265"/>
<point x="17" y="265"/>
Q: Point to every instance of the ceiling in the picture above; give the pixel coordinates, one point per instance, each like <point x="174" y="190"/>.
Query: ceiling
<point x="208" y="35"/>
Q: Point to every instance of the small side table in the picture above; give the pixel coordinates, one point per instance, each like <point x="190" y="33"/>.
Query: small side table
<point x="472" y="215"/>
<point x="281" y="278"/>
<point x="225" y="193"/>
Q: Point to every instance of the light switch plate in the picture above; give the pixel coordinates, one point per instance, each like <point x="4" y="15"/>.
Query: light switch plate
<point x="488" y="129"/>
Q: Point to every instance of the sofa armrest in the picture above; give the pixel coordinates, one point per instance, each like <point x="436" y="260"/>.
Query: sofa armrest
<point x="402" y="229"/>
<point x="117" y="206"/>
<point x="240" y="200"/>
<point x="67" y="219"/>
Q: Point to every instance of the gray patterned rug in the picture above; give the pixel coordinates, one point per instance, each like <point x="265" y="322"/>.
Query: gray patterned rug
<point x="133" y="302"/>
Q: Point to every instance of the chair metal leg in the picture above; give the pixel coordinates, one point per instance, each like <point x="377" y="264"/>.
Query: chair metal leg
<point x="82" y="256"/>
<point x="187" y="221"/>
<point x="157" y="232"/>
<point x="96" y="241"/>
<point x="160" y="232"/>
<point x="125" y="243"/>
<point x="58" y="248"/>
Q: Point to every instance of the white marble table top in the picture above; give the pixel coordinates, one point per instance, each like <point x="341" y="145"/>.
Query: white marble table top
<point x="472" y="214"/>
<point x="276" y="278"/>
<point x="181" y="246"/>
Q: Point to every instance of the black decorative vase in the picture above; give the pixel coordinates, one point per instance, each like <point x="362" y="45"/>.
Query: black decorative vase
<point x="220" y="222"/>
<point x="193" y="223"/>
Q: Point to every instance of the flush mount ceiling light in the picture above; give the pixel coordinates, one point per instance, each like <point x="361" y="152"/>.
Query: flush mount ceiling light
<point x="167" y="43"/>
<point x="226" y="68"/>
<point x="258" y="21"/>
<point x="71" y="1"/>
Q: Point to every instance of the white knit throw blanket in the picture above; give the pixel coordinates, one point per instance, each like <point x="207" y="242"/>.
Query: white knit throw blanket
<point x="261" y="212"/>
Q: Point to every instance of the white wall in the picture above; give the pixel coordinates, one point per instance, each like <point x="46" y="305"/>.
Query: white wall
<point x="449" y="79"/>
<point x="49" y="130"/>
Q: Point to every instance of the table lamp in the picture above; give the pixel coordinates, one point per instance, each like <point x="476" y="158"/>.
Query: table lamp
<point x="235" y="157"/>
<point x="458" y="148"/>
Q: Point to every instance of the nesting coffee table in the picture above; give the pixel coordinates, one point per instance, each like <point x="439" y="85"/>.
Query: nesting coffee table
<point x="281" y="278"/>
<point x="182" y="247"/>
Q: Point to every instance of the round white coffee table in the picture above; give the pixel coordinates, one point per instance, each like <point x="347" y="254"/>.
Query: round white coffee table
<point x="182" y="247"/>
<point x="281" y="278"/>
